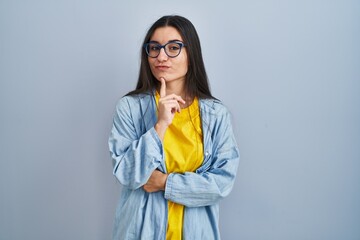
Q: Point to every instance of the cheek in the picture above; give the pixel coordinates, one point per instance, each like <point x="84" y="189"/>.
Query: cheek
<point x="185" y="68"/>
<point x="183" y="64"/>
<point x="151" y="61"/>
<point x="151" y="64"/>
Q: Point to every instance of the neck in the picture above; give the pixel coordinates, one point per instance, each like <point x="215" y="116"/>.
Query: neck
<point x="175" y="87"/>
<point x="178" y="88"/>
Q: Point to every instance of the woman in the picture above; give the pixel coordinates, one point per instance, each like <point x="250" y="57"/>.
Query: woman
<point x="172" y="143"/>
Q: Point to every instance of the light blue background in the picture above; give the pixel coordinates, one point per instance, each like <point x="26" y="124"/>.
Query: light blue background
<point x="289" y="71"/>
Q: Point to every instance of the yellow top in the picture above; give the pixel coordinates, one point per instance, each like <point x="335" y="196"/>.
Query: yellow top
<point x="183" y="146"/>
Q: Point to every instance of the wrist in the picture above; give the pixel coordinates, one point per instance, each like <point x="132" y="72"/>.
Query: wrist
<point x="165" y="176"/>
<point x="160" y="128"/>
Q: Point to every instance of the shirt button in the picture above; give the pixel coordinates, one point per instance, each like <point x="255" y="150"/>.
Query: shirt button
<point x="206" y="153"/>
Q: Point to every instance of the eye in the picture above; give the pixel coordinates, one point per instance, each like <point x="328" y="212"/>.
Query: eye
<point x="173" y="47"/>
<point x="154" y="47"/>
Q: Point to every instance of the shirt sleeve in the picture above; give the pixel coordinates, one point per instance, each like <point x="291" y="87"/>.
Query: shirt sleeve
<point x="134" y="157"/>
<point x="208" y="187"/>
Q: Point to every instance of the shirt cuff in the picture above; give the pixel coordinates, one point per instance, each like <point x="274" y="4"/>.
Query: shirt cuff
<point x="168" y="186"/>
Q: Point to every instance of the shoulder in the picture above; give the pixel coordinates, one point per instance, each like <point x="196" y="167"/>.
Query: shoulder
<point x="213" y="106"/>
<point x="132" y="100"/>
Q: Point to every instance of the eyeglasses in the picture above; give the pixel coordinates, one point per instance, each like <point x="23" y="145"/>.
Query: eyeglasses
<point x="172" y="49"/>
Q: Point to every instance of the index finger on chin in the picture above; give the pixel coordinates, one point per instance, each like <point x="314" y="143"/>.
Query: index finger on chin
<point x="162" y="88"/>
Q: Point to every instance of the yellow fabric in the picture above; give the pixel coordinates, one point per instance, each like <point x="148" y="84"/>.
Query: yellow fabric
<point x="183" y="146"/>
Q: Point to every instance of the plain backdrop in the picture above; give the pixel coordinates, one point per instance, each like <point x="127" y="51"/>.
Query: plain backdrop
<point x="289" y="71"/>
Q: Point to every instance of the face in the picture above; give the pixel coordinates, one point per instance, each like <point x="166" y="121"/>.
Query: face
<point x="163" y="66"/>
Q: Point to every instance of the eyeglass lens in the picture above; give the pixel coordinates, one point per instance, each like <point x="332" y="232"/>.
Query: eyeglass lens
<point x="172" y="49"/>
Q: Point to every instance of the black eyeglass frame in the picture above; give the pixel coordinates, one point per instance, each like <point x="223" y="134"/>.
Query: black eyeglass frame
<point x="181" y="45"/>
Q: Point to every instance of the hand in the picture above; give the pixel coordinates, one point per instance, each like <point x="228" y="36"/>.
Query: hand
<point x="168" y="106"/>
<point x="156" y="182"/>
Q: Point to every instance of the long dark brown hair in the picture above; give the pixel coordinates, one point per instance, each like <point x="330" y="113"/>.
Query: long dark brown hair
<point x="196" y="81"/>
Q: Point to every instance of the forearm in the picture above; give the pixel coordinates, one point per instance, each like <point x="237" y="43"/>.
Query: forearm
<point x="179" y="189"/>
<point x="135" y="161"/>
<point x="156" y="182"/>
<point x="202" y="189"/>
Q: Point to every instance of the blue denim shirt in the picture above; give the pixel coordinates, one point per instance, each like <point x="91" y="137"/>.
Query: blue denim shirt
<point x="137" y="151"/>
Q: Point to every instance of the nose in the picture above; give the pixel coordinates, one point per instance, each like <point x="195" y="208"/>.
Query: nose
<point x="162" y="55"/>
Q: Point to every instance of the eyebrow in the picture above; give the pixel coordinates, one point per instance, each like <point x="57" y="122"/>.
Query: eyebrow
<point x="174" y="40"/>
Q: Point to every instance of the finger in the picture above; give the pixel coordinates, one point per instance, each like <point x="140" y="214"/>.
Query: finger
<point x="162" y="88"/>
<point x="174" y="106"/>
<point x="170" y="105"/>
<point x="175" y="97"/>
<point x="177" y="107"/>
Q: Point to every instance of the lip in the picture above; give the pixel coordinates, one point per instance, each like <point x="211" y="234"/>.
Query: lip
<point x="162" y="67"/>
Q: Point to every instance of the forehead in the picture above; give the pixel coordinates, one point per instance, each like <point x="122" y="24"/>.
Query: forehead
<point x="163" y="35"/>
